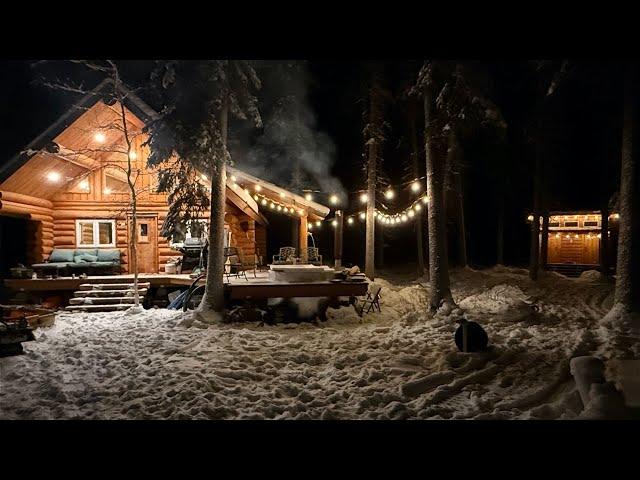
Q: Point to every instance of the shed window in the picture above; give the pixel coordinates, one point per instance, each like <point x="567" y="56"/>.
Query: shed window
<point x="570" y="224"/>
<point x="591" y="224"/>
<point x="96" y="233"/>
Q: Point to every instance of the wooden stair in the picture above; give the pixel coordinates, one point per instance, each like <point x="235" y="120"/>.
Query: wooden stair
<point x="101" y="297"/>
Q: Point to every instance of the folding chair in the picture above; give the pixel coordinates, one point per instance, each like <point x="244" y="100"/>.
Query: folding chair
<point x="371" y="302"/>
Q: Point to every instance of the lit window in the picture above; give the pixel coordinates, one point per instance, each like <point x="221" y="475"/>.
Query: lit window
<point x="96" y="233"/>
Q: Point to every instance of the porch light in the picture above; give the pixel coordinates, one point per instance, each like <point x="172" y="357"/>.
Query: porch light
<point x="308" y="197"/>
<point x="100" y="137"/>
<point x="362" y="216"/>
<point x="350" y="220"/>
<point x="363" y="198"/>
<point x="389" y="194"/>
<point x="54" y="176"/>
<point x="415" y="186"/>
<point x="333" y="199"/>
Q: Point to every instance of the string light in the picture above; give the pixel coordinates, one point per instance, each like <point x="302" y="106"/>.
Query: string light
<point x="364" y="198"/>
<point x="415" y="186"/>
<point x="333" y="199"/>
<point x="318" y="223"/>
<point x="389" y="194"/>
<point x="133" y="155"/>
<point x="350" y="220"/>
<point x="362" y="216"/>
<point x="334" y="223"/>
<point x="258" y="188"/>
<point x="308" y="197"/>
<point x="100" y="137"/>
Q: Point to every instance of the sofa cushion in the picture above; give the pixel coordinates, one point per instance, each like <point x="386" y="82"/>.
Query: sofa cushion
<point x="90" y="251"/>
<point x="61" y="255"/>
<point x="85" y="258"/>
<point x="112" y="256"/>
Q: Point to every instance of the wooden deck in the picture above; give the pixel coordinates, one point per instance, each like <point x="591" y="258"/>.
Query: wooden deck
<point x="259" y="287"/>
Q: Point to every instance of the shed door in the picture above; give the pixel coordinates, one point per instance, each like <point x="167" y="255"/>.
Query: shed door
<point x="147" y="232"/>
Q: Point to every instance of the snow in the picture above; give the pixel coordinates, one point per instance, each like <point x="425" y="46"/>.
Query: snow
<point x="398" y="364"/>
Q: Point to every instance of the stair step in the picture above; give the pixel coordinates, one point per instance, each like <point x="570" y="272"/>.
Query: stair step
<point x="108" y="293"/>
<point x="101" y="301"/>
<point x="112" y="286"/>
<point x="96" y="308"/>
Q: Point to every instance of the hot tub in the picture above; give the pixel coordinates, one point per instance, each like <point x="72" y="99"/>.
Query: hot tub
<point x="300" y="273"/>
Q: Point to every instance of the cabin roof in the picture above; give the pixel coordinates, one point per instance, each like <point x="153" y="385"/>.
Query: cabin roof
<point x="90" y="111"/>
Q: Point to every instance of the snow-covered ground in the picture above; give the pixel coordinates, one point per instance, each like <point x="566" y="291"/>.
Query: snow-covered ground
<point x="397" y="364"/>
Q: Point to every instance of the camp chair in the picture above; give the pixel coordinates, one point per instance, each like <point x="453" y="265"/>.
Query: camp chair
<point x="285" y="256"/>
<point x="371" y="301"/>
<point x="311" y="255"/>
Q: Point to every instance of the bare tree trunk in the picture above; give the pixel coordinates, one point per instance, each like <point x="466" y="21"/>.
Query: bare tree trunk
<point x="440" y="293"/>
<point x="604" y="238"/>
<point x="500" y="232"/>
<point x="372" y="177"/>
<point x="212" y="303"/>
<point x="534" y="254"/>
<point x="131" y="182"/>
<point x="627" y="291"/>
<point x="413" y="134"/>
<point x="544" y="241"/>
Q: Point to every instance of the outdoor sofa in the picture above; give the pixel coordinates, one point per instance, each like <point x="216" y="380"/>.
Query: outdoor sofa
<point x="67" y="262"/>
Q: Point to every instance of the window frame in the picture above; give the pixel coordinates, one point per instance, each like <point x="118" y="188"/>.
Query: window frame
<point x="96" y="233"/>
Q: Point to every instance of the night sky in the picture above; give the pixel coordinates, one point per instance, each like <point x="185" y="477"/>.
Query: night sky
<point x="583" y="141"/>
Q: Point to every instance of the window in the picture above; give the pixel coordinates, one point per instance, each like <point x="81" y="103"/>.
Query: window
<point x="96" y="233"/>
<point x="197" y="229"/>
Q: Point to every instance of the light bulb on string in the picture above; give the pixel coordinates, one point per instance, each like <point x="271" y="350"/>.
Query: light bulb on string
<point x="350" y="220"/>
<point x="362" y="216"/>
<point x="389" y="194"/>
<point x="415" y="186"/>
<point x="308" y="197"/>
<point x="364" y="198"/>
<point x="333" y="199"/>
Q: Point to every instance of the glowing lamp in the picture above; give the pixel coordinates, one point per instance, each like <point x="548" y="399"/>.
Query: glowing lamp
<point x="363" y="198"/>
<point x="84" y="185"/>
<point x="133" y="155"/>
<point x="334" y="223"/>
<point x="350" y="220"/>
<point x="425" y="199"/>
<point x="107" y="191"/>
<point x="415" y="186"/>
<point x="308" y="197"/>
<point x="272" y="205"/>
<point x="318" y="223"/>
<point x="233" y="178"/>
<point x="282" y="195"/>
<point x="389" y="194"/>
<point x="530" y="218"/>
<point x="417" y="207"/>
<point x="301" y="212"/>
<point x="264" y="201"/>
<point x="258" y="188"/>
<point x="362" y="216"/>
<point x="279" y="208"/>
<point x="255" y="197"/>
<point x="54" y="176"/>
<point x="333" y="199"/>
<point x="100" y="137"/>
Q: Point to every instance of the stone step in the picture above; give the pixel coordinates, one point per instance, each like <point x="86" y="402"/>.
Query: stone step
<point x="96" y="308"/>
<point x="102" y="301"/>
<point x="112" y="286"/>
<point x="108" y="293"/>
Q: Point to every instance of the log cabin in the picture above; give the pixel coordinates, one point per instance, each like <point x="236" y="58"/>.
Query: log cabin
<point x="67" y="189"/>
<point x="575" y="241"/>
